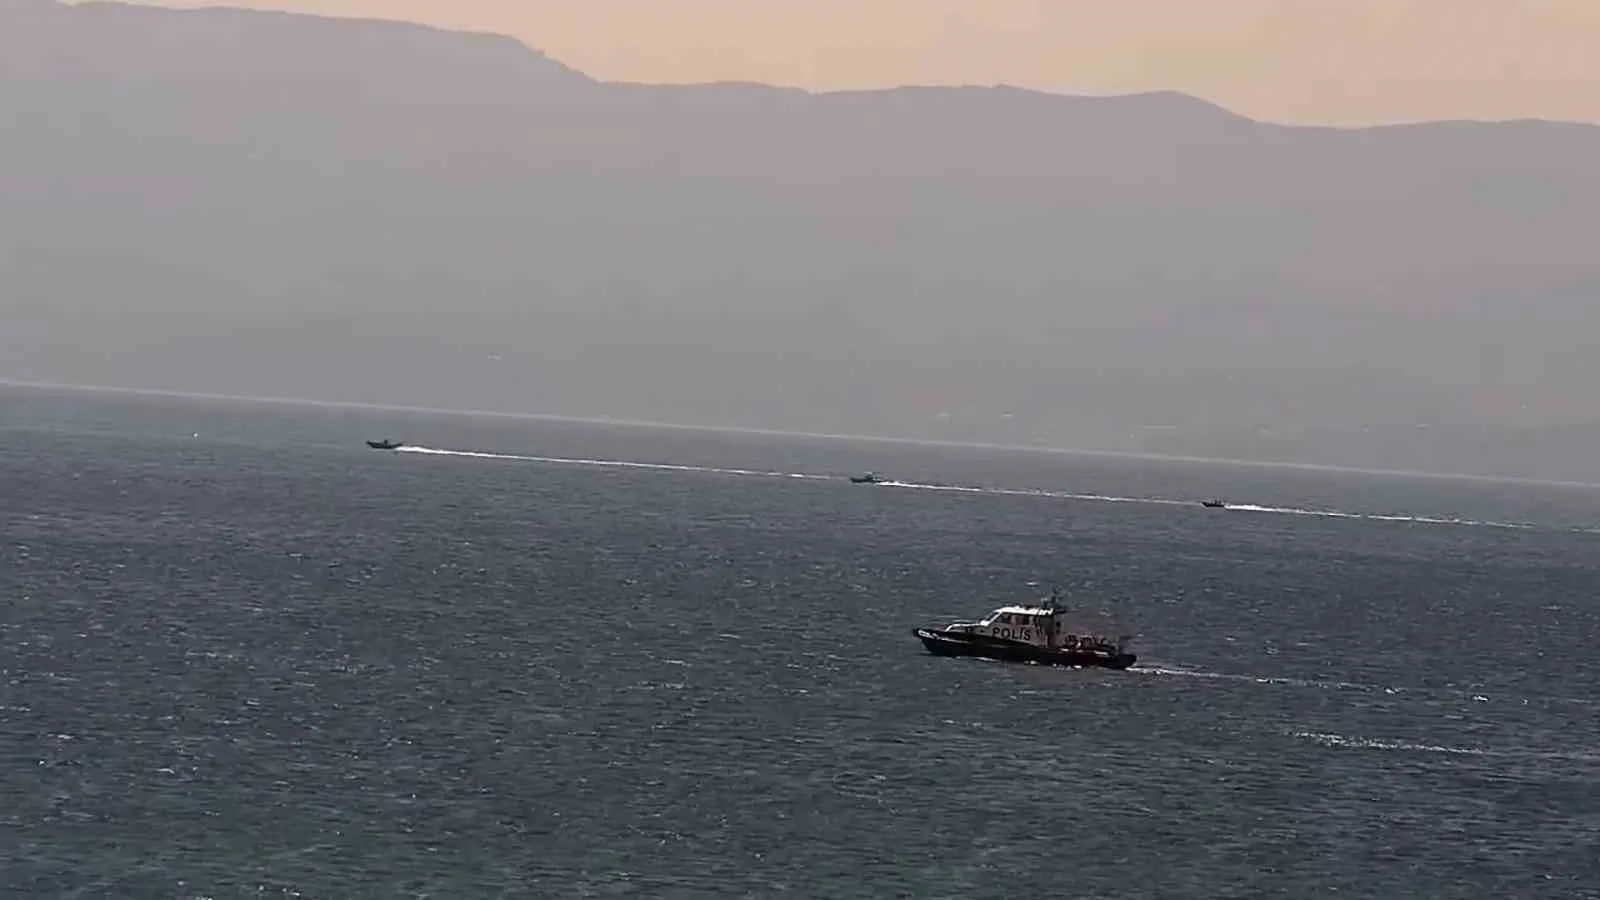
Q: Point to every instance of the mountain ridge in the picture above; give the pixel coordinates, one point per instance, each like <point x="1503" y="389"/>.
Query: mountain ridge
<point x="222" y="11"/>
<point x="1146" y="272"/>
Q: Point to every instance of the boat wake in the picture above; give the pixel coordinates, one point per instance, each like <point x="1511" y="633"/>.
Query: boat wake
<point x="1348" y="742"/>
<point x="1377" y="517"/>
<point x="1326" y="684"/>
<point x="1370" y="744"/>
<point x="608" y="463"/>
<point x="1458" y="694"/>
<point x="971" y="489"/>
<point x="1328" y="739"/>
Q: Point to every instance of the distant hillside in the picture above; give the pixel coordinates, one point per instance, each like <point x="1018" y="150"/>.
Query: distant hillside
<point x="280" y="204"/>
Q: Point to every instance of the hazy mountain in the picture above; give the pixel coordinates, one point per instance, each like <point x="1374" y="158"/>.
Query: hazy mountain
<point x="278" y="204"/>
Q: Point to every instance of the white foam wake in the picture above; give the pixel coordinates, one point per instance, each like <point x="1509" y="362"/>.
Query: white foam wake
<point x="971" y="489"/>
<point x="1328" y="739"/>
<point x="1351" y="742"/>
<point x="1328" y="684"/>
<point x="605" y="463"/>
<point x="1377" y="517"/>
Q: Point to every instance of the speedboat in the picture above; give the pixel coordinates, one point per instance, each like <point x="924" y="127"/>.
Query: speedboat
<point x="864" y="478"/>
<point x="1213" y="504"/>
<point x="385" y="445"/>
<point x="1034" y="634"/>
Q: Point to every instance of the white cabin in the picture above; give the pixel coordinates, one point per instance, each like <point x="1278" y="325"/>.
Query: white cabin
<point x="1041" y="626"/>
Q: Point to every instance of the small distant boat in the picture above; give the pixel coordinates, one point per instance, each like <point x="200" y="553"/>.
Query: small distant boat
<point x="864" y="478"/>
<point x="1214" y="504"/>
<point x="385" y="445"/>
<point x="1034" y="634"/>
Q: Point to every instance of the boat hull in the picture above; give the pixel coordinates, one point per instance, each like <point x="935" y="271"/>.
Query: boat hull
<point x="944" y="643"/>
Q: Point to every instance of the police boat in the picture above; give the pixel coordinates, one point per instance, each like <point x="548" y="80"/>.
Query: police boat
<point x="1032" y="634"/>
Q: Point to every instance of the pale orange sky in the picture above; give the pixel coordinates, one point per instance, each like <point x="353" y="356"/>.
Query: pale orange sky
<point x="1314" y="61"/>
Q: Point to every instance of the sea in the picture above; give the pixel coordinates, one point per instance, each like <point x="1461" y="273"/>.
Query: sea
<point x="243" y="655"/>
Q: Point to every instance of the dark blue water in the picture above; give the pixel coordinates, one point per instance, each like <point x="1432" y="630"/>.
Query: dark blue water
<point x="265" y="660"/>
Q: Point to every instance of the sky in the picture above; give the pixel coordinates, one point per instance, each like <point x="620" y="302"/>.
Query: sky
<point x="1341" y="62"/>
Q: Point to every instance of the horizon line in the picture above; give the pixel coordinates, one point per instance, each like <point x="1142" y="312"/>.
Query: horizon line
<point x="29" y="384"/>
